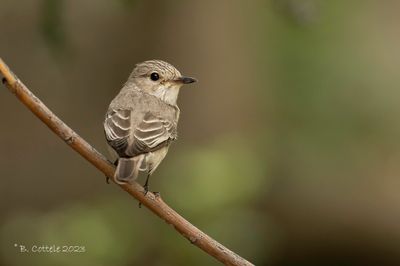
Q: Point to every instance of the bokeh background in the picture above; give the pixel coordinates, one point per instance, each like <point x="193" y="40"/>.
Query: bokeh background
<point x="288" y="149"/>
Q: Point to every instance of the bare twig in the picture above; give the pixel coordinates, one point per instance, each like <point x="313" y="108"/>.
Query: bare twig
<point x="151" y="201"/>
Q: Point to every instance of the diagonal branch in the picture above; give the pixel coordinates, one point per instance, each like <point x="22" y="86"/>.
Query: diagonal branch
<point x="150" y="200"/>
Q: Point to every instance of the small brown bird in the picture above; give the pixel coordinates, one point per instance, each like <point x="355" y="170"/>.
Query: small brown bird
<point x="141" y="121"/>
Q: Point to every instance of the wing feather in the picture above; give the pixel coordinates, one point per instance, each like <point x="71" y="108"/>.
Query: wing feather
<point x="152" y="133"/>
<point x="117" y="127"/>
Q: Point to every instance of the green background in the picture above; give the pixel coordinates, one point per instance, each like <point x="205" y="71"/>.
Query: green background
<point x="288" y="149"/>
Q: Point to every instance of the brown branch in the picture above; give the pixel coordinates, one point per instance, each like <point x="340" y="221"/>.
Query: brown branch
<point x="151" y="201"/>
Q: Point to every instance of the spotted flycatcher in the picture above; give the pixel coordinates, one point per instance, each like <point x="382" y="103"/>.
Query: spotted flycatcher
<point x="141" y="121"/>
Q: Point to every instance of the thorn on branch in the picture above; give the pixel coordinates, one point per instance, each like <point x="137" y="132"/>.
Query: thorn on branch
<point x="192" y="239"/>
<point x="69" y="140"/>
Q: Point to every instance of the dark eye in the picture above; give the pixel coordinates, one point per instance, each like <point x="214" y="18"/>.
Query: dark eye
<point x="154" y="76"/>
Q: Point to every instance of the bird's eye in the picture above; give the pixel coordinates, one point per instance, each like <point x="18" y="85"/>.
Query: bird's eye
<point x="154" y="76"/>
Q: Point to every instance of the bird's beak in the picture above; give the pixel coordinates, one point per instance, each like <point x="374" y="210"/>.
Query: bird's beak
<point x="185" y="80"/>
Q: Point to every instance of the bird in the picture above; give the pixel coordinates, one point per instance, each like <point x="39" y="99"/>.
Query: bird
<point x="141" y="121"/>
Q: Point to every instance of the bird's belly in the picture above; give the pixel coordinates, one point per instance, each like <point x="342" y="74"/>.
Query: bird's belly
<point x="153" y="159"/>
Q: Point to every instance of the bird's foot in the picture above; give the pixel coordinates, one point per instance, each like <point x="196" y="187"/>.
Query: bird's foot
<point x="145" y="189"/>
<point x="107" y="178"/>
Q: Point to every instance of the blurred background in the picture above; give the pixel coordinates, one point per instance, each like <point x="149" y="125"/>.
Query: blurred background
<point x="288" y="149"/>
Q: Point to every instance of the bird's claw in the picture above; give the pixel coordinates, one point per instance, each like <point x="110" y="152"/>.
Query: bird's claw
<point x="107" y="178"/>
<point x="146" y="190"/>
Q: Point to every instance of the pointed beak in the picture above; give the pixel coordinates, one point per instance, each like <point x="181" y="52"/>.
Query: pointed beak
<point x="185" y="80"/>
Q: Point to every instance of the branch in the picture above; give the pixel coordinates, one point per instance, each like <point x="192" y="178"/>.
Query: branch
<point x="150" y="200"/>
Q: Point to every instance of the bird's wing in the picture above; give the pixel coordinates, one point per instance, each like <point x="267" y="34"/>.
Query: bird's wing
<point x="117" y="127"/>
<point x="152" y="133"/>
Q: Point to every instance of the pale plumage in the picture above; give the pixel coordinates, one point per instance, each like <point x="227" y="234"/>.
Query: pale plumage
<point x="141" y="121"/>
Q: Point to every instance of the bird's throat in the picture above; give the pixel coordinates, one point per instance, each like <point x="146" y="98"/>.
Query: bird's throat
<point x="167" y="95"/>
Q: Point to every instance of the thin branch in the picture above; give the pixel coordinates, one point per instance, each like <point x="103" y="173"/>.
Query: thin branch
<point x="151" y="201"/>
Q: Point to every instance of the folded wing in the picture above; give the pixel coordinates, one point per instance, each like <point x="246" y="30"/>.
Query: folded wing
<point x="152" y="134"/>
<point x="117" y="127"/>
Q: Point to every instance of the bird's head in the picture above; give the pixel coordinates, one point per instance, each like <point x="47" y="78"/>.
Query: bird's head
<point x="160" y="79"/>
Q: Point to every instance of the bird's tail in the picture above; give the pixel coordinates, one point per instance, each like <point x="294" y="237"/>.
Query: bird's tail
<point x="128" y="169"/>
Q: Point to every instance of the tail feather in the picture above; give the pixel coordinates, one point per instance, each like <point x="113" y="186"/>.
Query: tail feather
<point x="128" y="169"/>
